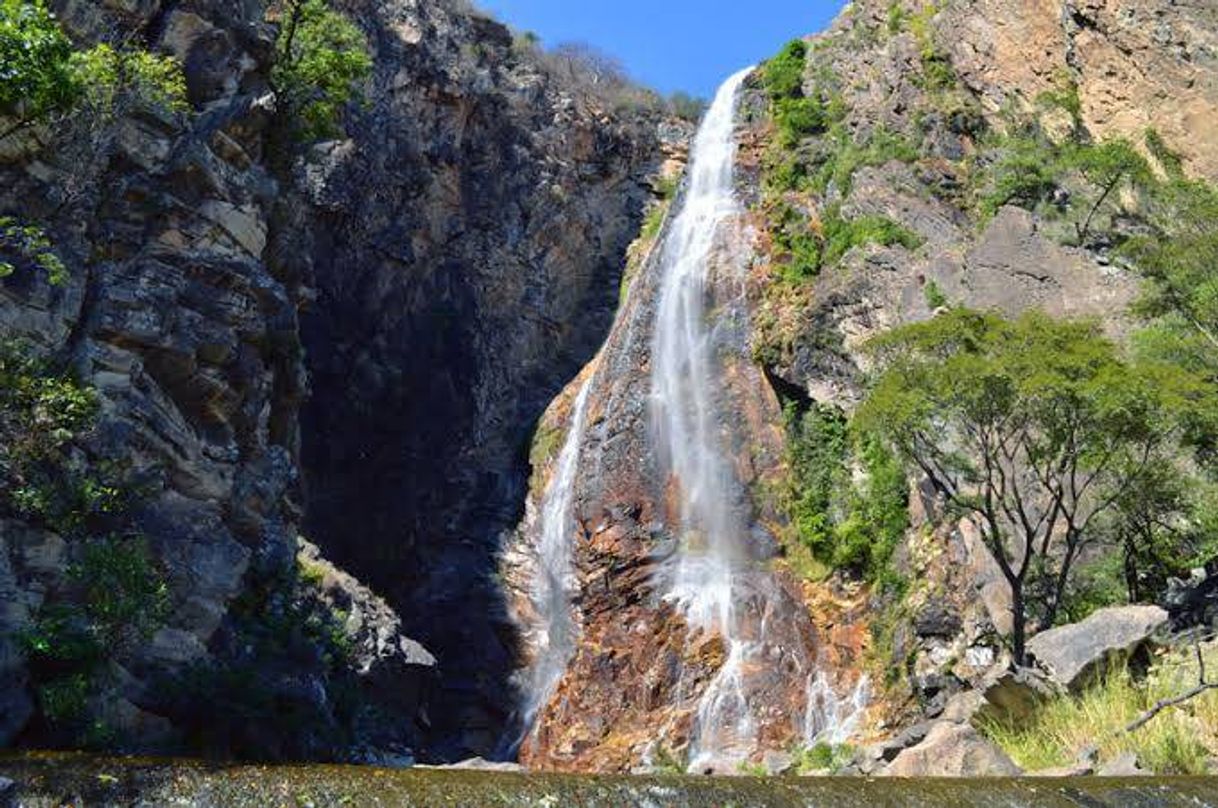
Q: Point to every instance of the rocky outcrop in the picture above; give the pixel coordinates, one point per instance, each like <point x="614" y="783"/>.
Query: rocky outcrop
<point x="430" y="281"/>
<point x="952" y="750"/>
<point x="1076" y="654"/>
<point x="911" y="153"/>
<point x="1136" y="65"/>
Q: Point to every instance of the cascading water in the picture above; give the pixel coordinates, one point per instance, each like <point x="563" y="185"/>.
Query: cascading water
<point x="766" y="686"/>
<point x="713" y="578"/>
<point x="685" y="419"/>
<point x="554" y="582"/>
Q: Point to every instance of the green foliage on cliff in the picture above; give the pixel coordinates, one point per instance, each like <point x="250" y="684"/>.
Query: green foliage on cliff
<point x="26" y="242"/>
<point x="35" y="75"/>
<point x="321" y="59"/>
<point x="846" y="156"/>
<point x="937" y="73"/>
<point x="115" y="597"/>
<point x="110" y="79"/>
<point x="245" y="701"/>
<point x="1025" y="168"/>
<point x="783" y="75"/>
<point x="797" y="114"/>
<point x="42" y="74"/>
<point x="848" y="524"/>
<point x="804" y="248"/>
<point x="42" y="414"/>
<point x="112" y="595"/>
<point x="1178" y="260"/>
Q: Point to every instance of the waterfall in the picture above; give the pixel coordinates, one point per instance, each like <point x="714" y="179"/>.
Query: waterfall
<point x="685" y="418"/>
<point x="767" y="673"/>
<point x="554" y="582"/>
<point x="712" y="579"/>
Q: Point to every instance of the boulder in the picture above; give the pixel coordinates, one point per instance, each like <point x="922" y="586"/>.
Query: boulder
<point x="776" y="762"/>
<point x="1124" y="765"/>
<point x="1014" y="693"/>
<point x="952" y="750"/>
<point x="1073" y="655"/>
<point x="8" y="793"/>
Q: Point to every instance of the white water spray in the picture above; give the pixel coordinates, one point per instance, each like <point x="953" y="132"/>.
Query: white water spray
<point x="554" y="584"/>
<point x="685" y="419"/>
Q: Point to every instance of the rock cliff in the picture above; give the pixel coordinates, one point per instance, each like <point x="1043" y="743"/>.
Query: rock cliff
<point x="909" y="100"/>
<point x="350" y="342"/>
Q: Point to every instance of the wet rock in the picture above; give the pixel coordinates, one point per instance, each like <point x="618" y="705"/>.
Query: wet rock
<point x="1075" y="654"/>
<point x="8" y="793"/>
<point x="952" y="750"/>
<point x="776" y="763"/>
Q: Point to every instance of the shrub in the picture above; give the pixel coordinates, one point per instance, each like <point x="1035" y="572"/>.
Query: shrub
<point x="36" y="78"/>
<point x="843" y="235"/>
<point x="782" y="76"/>
<point x="1106" y="167"/>
<point x="111" y="80"/>
<point x="1025" y="172"/>
<point x="898" y="18"/>
<point x="846" y="156"/>
<point x="805" y="251"/>
<point x="937" y="72"/>
<point x="30" y="243"/>
<point x="823" y="757"/>
<point x="1171" y="162"/>
<point x="847" y="525"/>
<point x="43" y="75"/>
<point x="817" y="452"/>
<point x="124" y="594"/>
<point x="321" y="59"/>
<point x="935" y="299"/>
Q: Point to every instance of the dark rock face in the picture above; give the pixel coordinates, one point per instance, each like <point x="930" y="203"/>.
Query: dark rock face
<point x="455" y="261"/>
<point x="466" y="247"/>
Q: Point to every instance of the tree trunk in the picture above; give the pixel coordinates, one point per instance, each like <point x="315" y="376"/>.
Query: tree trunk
<point x="1019" y="625"/>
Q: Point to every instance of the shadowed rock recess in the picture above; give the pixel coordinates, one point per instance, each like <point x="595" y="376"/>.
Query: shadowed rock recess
<point x="350" y="344"/>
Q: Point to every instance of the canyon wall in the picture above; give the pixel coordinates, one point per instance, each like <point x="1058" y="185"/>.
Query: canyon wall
<point x="349" y="342"/>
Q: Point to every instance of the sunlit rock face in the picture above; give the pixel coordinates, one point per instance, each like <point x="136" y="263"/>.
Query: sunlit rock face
<point x="690" y="645"/>
<point x="652" y="643"/>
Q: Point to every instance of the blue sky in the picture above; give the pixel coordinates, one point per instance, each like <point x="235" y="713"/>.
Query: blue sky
<point x="670" y="45"/>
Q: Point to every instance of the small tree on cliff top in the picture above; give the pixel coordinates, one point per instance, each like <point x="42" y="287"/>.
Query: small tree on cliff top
<point x="1032" y="429"/>
<point x="321" y="58"/>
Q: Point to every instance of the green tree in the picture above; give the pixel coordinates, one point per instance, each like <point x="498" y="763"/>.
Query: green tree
<point x="1034" y="429"/>
<point x="43" y="75"/>
<point x="35" y="76"/>
<point x="321" y="59"/>
<point x="1106" y="167"/>
<point x="1178" y="261"/>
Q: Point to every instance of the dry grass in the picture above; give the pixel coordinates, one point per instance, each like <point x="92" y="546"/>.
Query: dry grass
<point x="1180" y="740"/>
